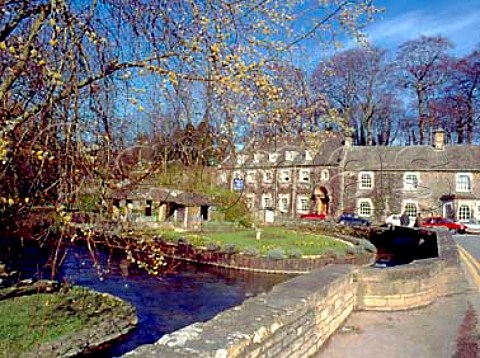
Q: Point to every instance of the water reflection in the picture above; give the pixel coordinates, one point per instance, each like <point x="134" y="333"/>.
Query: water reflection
<point x="190" y="294"/>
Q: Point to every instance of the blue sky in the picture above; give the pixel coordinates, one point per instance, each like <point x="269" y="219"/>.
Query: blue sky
<point x="408" y="19"/>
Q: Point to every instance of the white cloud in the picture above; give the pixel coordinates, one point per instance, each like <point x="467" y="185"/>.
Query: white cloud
<point x="460" y="26"/>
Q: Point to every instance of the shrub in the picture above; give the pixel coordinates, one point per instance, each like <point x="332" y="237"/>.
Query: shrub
<point x="295" y="253"/>
<point x="251" y="251"/>
<point x="276" y="254"/>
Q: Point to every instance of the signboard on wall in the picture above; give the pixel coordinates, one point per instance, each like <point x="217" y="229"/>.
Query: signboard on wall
<point x="238" y="184"/>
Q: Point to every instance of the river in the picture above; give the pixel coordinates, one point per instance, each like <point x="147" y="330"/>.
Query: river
<point x="164" y="304"/>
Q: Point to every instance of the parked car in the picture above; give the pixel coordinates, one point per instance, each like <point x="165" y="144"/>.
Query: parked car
<point x="395" y="220"/>
<point x="353" y="220"/>
<point x="473" y="225"/>
<point x="452" y="226"/>
<point x="313" y="216"/>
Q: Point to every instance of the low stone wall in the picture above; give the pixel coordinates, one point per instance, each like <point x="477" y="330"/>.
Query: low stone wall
<point x="296" y="317"/>
<point x="293" y="320"/>
<point x="186" y="252"/>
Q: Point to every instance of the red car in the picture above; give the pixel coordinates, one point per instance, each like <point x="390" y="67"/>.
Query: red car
<point x="313" y="216"/>
<point x="451" y="225"/>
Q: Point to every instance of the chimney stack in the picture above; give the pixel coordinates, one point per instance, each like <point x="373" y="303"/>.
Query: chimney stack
<point x="439" y="139"/>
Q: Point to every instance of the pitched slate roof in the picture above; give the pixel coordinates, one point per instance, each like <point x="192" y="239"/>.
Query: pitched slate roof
<point x="407" y="158"/>
<point x="325" y="149"/>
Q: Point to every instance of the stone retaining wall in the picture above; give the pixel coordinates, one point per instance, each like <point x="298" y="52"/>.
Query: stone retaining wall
<point x="296" y="317"/>
<point x="293" y="320"/>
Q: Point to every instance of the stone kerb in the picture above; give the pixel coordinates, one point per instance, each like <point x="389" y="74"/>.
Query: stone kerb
<point x="293" y="320"/>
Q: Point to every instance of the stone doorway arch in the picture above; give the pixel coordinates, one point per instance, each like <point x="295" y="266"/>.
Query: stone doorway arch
<point x="321" y="200"/>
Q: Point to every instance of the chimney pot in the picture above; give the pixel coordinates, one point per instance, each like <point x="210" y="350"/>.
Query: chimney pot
<point x="439" y="139"/>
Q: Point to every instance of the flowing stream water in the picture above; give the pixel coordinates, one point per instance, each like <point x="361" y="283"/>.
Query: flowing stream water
<point x="164" y="304"/>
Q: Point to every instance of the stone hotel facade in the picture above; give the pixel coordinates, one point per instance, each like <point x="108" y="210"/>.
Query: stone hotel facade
<point x="285" y="177"/>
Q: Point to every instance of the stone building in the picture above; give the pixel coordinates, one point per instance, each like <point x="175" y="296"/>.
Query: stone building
<point x="288" y="177"/>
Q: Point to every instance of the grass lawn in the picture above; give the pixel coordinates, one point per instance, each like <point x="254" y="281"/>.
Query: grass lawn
<point x="272" y="238"/>
<point x="30" y="320"/>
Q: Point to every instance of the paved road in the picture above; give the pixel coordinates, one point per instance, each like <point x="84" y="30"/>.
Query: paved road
<point x="431" y="332"/>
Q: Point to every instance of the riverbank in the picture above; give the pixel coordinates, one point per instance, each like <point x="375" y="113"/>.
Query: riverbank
<point x="46" y="319"/>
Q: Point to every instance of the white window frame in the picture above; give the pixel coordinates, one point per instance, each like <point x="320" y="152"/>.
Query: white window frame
<point x="250" y="177"/>
<point x="257" y="157"/>
<point x="360" y="207"/>
<point x="283" y="203"/>
<point x="272" y="157"/>
<point x="269" y="198"/>
<point x="308" y="155"/>
<point x="265" y="176"/>
<point x="406" y="207"/>
<point x="408" y="183"/>
<point x="301" y="208"/>
<point x="325" y="175"/>
<point x="462" y="214"/>
<point x="463" y="187"/>
<point x="223" y="178"/>
<point x="363" y="183"/>
<point x="250" y="200"/>
<point x="286" y="176"/>
<point x="290" y="155"/>
<point x="304" y="175"/>
<point x="241" y="158"/>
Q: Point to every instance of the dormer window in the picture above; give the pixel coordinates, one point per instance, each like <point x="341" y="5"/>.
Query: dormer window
<point x="257" y="157"/>
<point x="307" y="155"/>
<point x="290" y="155"/>
<point x="241" y="159"/>
<point x="304" y="175"/>
<point x="273" y="157"/>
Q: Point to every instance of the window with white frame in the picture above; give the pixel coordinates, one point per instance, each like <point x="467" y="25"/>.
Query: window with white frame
<point x="307" y="155"/>
<point x="241" y="159"/>
<point x="464" y="182"/>
<point x="411" y="209"/>
<point x="285" y="176"/>
<point x="410" y="181"/>
<point x="304" y="175"/>
<point x="257" y="157"/>
<point x="325" y="174"/>
<point x="365" y="180"/>
<point x="303" y="204"/>
<point x="464" y="213"/>
<point x="267" y="176"/>
<point x="284" y="201"/>
<point x="266" y="201"/>
<point x="250" y="200"/>
<point x="272" y="157"/>
<point x="365" y="207"/>
<point x="250" y="177"/>
<point x="223" y="178"/>
<point x="290" y="155"/>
